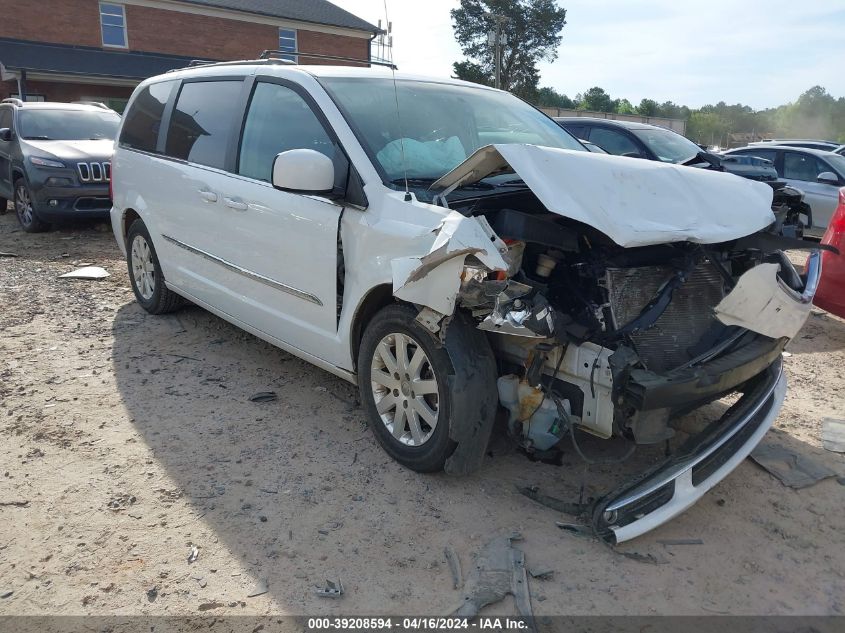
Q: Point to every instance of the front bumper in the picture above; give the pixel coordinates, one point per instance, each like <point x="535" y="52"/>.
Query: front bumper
<point x="704" y="460"/>
<point x="67" y="203"/>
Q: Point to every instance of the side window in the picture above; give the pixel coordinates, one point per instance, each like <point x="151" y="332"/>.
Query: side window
<point x="278" y="119"/>
<point x="142" y="123"/>
<point x="613" y="142"/>
<point x="578" y="131"/>
<point x="202" y="121"/>
<point x="802" y="167"/>
<point x="768" y="154"/>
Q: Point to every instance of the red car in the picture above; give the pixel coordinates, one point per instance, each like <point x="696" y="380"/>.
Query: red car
<point x="831" y="293"/>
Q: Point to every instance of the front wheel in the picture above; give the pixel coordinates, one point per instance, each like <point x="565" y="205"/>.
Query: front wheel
<point x="424" y="398"/>
<point x="29" y="221"/>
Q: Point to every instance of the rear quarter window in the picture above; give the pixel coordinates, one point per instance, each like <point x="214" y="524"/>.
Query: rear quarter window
<point x="142" y="122"/>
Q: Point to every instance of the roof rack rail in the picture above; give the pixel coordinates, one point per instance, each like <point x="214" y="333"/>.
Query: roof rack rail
<point x="96" y="104"/>
<point x="13" y="101"/>
<point x="281" y="54"/>
<point x="203" y="63"/>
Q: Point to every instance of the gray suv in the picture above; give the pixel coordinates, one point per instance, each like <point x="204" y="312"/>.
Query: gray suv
<point x="55" y="161"/>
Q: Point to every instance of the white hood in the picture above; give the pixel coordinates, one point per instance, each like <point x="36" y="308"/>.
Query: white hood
<point x="634" y="202"/>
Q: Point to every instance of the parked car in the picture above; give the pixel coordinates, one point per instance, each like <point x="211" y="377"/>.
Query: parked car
<point x="831" y="293"/>
<point x="840" y="150"/>
<point x="55" y="161"/>
<point x="825" y="146"/>
<point x="451" y="250"/>
<point x="819" y="174"/>
<point x="640" y="140"/>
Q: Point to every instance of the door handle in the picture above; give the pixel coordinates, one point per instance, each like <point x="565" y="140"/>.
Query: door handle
<point x="237" y="205"/>
<point x="208" y="196"/>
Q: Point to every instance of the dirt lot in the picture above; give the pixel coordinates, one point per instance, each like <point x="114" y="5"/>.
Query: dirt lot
<point x="127" y="439"/>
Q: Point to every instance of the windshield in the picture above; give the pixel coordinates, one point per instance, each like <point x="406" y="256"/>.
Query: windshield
<point x="838" y="163"/>
<point x="68" y="125"/>
<point x="668" y="146"/>
<point x="438" y="125"/>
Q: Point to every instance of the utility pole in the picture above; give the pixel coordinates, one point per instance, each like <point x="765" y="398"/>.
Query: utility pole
<point x="497" y="39"/>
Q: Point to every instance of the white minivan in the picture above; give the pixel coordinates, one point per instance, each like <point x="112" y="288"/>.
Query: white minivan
<point x="457" y="254"/>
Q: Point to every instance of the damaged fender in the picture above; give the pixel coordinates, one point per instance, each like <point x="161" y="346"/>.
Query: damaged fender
<point x="434" y="279"/>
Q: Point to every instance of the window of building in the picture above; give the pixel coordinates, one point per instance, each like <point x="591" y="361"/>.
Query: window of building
<point x="113" y="24"/>
<point x="202" y="122"/>
<point x="287" y="42"/>
<point x="278" y="120"/>
<point x="143" y="120"/>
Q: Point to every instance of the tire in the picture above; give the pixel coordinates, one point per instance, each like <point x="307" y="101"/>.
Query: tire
<point x="452" y="379"/>
<point x="4" y="204"/>
<point x="28" y="219"/>
<point x="145" y="273"/>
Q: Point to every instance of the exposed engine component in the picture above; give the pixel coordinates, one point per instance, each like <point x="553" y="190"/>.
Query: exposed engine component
<point x="665" y="344"/>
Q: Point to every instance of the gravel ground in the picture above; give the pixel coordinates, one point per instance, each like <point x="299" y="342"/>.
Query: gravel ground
<point x="127" y="440"/>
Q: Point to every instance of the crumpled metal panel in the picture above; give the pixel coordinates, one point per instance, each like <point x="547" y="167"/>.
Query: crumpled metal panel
<point x="664" y="345"/>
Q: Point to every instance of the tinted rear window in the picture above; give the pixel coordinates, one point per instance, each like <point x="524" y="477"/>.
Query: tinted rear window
<point x="203" y="121"/>
<point x="143" y="120"/>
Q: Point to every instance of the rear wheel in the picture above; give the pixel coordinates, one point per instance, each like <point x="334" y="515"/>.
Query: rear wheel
<point x="29" y="221"/>
<point x="145" y="273"/>
<point x="411" y="384"/>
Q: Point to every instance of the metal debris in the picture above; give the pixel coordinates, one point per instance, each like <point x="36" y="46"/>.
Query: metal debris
<point x="790" y="467"/>
<point x="833" y="435"/>
<point x="499" y="571"/>
<point x="543" y="573"/>
<point x="263" y="396"/>
<point x="261" y="587"/>
<point x="575" y="528"/>
<point x="566" y="507"/>
<point x="87" y="272"/>
<point x="681" y="541"/>
<point x="454" y="566"/>
<point x="195" y="553"/>
<point x="331" y="590"/>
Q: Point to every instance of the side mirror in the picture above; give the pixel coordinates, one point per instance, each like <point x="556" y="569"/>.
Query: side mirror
<point x="5" y="134"/>
<point x="303" y="171"/>
<point x="826" y="178"/>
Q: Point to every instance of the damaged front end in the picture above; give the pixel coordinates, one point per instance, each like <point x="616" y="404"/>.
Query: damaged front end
<point x="619" y="335"/>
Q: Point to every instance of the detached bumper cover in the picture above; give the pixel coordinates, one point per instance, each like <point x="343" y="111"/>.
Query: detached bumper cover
<point x="704" y="460"/>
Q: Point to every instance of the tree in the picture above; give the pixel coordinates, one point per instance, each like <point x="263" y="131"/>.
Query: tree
<point x="647" y="107"/>
<point x="624" y="106"/>
<point x="532" y="29"/>
<point x="551" y="98"/>
<point x="597" y="100"/>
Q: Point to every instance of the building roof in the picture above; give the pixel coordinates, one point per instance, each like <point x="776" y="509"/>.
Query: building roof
<point x="38" y="57"/>
<point x="314" y="11"/>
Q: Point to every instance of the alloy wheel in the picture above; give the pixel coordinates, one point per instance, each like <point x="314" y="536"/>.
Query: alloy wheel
<point x="143" y="267"/>
<point x="23" y="205"/>
<point x="405" y="389"/>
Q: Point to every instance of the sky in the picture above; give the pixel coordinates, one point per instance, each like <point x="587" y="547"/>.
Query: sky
<point x="761" y="53"/>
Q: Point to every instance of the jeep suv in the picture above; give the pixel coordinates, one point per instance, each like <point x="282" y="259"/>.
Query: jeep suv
<point x="55" y="161"/>
<point x="456" y="253"/>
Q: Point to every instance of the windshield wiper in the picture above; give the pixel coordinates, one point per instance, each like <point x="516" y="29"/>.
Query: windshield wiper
<point x="37" y="138"/>
<point x="427" y="182"/>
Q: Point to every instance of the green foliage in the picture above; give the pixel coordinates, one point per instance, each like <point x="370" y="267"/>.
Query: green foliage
<point x="532" y="28"/>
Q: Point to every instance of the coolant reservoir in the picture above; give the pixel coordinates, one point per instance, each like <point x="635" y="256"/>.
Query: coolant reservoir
<point x="532" y="415"/>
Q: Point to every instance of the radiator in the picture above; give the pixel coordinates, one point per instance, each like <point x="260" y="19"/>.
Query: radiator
<point x="663" y="346"/>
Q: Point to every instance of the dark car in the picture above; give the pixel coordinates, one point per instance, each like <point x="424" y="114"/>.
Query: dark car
<point x="641" y="140"/>
<point x="55" y="161"/>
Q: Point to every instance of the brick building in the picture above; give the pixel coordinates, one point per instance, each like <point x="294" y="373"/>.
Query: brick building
<point x="90" y="50"/>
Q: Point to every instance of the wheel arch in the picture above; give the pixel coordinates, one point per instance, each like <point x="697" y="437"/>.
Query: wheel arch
<point x="377" y="297"/>
<point x="127" y="218"/>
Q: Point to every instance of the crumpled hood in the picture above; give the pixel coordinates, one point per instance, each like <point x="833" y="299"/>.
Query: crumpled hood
<point x="633" y="202"/>
<point x="101" y="149"/>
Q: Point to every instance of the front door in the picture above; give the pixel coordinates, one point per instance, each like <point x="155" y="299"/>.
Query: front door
<point x="264" y="256"/>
